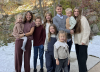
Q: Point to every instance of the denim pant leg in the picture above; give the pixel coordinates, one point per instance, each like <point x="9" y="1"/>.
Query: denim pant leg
<point x="41" y="52"/>
<point x="35" y="56"/>
<point x="66" y="65"/>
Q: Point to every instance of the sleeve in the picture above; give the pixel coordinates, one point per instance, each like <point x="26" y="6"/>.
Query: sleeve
<point x="15" y="34"/>
<point x="55" y="52"/>
<point x="33" y="24"/>
<point x="46" y="42"/>
<point x="67" y="24"/>
<point x="86" y="30"/>
<point x="59" y="28"/>
<point x="44" y="35"/>
<point x="72" y="22"/>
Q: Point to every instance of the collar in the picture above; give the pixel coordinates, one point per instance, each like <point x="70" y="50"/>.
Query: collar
<point x="61" y="16"/>
<point x="58" y="44"/>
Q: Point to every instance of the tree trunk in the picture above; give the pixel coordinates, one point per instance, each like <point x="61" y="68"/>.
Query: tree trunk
<point x="58" y="1"/>
<point x="41" y="9"/>
<point x="54" y="7"/>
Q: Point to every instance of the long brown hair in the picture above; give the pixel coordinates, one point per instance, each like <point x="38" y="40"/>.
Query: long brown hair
<point x="49" y="34"/>
<point x="45" y="20"/>
<point x="78" y="19"/>
<point x="25" y="20"/>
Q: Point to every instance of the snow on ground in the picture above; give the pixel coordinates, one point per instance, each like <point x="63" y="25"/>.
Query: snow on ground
<point x="93" y="47"/>
<point x="7" y="54"/>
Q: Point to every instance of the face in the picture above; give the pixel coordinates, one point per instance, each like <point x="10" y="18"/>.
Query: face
<point x="19" y="19"/>
<point x="52" y="30"/>
<point x="28" y="16"/>
<point x="68" y="13"/>
<point x="62" y="37"/>
<point x="38" y="22"/>
<point x="59" y="10"/>
<point x="76" y="12"/>
<point x="48" y="17"/>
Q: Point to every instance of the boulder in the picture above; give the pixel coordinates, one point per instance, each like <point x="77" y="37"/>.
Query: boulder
<point x="93" y="18"/>
<point x="1" y="16"/>
<point x="1" y="23"/>
<point x="34" y="11"/>
<point x="8" y="18"/>
<point x="95" y="28"/>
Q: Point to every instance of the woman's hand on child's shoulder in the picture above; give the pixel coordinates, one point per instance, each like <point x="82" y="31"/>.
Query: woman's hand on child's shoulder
<point x="57" y="62"/>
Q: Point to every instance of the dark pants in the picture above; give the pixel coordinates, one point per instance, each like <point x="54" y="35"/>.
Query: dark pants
<point x="63" y="63"/>
<point x="81" y="52"/>
<point x="50" y="61"/>
<point x="41" y="52"/>
<point x="70" y="45"/>
<point x="19" y="53"/>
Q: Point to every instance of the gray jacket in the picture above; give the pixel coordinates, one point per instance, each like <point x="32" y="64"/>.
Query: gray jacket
<point x="61" y="24"/>
<point x="61" y="50"/>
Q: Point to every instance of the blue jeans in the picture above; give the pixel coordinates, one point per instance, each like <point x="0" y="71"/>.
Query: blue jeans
<point x="41" y="52"/>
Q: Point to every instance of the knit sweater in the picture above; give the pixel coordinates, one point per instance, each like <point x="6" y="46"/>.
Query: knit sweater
<point x="39" y="36"/>
<point x="18" y="29"/>
<point x="83" y="37"/>
<point x="61" y="50"/>
<point x="61" y="24"/>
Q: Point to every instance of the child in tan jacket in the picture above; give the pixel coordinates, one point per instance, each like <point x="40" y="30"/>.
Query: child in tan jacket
<point x="18" y="29"/>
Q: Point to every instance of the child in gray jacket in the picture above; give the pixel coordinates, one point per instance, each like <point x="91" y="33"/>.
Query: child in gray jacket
<point x="61" y="53"/>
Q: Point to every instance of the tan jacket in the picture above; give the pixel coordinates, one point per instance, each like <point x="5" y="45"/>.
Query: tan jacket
<point x="18" y="29"/>
<point x="61" y="50"/>
<point x="67" y="23"/>
<point x="83" y="37"/>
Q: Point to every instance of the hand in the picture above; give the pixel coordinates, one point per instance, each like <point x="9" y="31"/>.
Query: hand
<point x="71" y="32"/>
<point x="83" y="43"/>
<point x="21" y="35"/>
<point x="57" y="62"/>
<point x="68" y="62"/>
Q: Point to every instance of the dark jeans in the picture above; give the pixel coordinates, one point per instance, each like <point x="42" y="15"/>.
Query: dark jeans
<point x="70" y="45"/>
<point x="81" y="52"/>
<point x="50" y="61"/>
<point x="63" y="63"/>
<point x="41" y="52"/>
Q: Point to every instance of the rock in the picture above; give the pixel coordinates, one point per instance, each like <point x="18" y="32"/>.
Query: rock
<point x="8" y="18"/>
<point x="1" y="16"/>
<point x="93" y="18"/>
<point x="1" y="23"/>
<point x="37" y="14"/>
<point x="34" y="11"/>
<point x="7" y="22"/>
<point x="95" y="28"/>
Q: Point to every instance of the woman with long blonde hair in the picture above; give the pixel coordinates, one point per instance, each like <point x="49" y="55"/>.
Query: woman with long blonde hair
<point x="81" y="39"/>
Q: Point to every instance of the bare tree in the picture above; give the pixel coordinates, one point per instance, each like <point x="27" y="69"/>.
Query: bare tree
<point x="41" y="9"/>
<point x="54" y="5"/>
<point x="58" y="1"/>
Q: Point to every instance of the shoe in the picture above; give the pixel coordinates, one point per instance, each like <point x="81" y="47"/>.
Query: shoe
<point x="35" y="70"/>
<point x="41" y="70"/>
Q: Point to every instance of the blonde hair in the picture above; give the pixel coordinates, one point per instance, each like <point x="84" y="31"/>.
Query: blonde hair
<point x="49" y="34"/>
<point x="62" y="32"/>
<point x="68" y="9"/>
<point x="18" y="15"/>
<point x="45" y="20"/>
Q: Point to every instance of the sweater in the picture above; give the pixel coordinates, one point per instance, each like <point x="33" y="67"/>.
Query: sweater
<point x="61" y="24"/>
<point x="61" y="50"/>
<point x="18" y="29"/>
<point x="39" y="36"/>
<point x="70" y="22"/>
<point x="83" y="37"/>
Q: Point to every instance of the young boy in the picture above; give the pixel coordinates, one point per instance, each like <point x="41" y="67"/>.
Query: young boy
<point x="39" y="39"/>
<point x="70" y="21"/>
<point x="60" y="21"/>
<point x="61" y="52"/>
